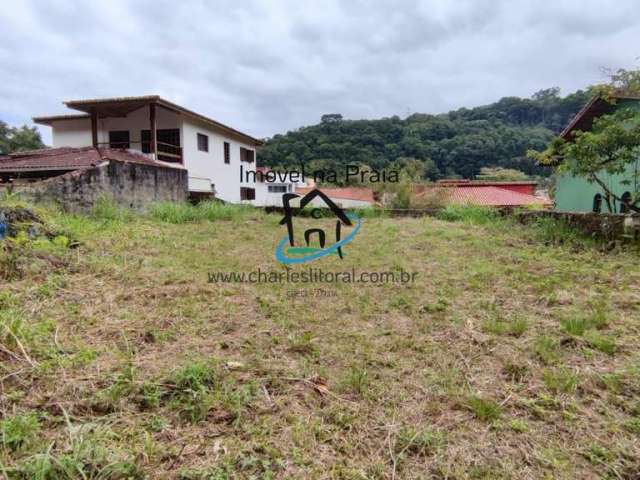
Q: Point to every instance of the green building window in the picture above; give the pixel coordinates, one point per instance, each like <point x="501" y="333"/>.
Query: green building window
<point x="625" y="202"/>
<point x="597" y="203"/>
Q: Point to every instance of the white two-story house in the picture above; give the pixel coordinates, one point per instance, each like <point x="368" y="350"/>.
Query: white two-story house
<point x="210" y="151"/>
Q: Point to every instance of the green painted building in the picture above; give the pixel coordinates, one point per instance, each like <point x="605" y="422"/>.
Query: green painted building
<point x="577" y="194"/>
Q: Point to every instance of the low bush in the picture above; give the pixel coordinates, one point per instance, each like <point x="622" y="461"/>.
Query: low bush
<point x="558" y="232"/>
<point x="205" y="211"/>
<point x="484" y="409"/>
<point x="107" y="209"/>
<point x="468" y="213"/>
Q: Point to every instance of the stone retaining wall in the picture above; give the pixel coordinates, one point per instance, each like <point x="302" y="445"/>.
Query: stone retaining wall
<point x="606" y="226"/>
<point x="132" y="185"/>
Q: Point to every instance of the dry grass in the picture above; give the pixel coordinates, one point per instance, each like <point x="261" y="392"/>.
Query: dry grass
<point x="124" y="362"/>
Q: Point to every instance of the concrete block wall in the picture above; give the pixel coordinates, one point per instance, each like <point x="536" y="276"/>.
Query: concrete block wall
<point x="131" y="185"/>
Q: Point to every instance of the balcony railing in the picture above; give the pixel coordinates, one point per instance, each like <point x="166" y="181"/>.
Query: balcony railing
<point x="166" y="151"/>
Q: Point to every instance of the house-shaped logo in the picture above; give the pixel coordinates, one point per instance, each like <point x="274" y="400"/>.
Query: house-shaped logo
<point x="288" y="252"/>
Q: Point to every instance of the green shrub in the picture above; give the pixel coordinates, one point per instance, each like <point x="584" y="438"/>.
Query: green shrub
<point x="603" y="343"/>
<point x="547" y="349"/>
<point x="370" y="212"/>
<point x="575" y="325"/>
<point x="195" y="376"/>
<point x="90" y="455"/>
<point x="107" y="209"/>
<point x="20" y="431"/>
<point x="193" y="394"/>
<point x="483" y="409"/>
<point x="356" y="380"/>
<point x="633" y="426"/>
<point x="558" y="232"/>
<point x="519" y="426"/>
<point x="418" y="442"/>
<point x="560" y="380"/>
<point x="579" y="324"/>
<point x="205" y="211"/>
<point x="514" y="327"/>
<point x="473" y="214"/>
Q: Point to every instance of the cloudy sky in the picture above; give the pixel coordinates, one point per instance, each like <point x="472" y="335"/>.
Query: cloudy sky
<point x="265" y="67"/>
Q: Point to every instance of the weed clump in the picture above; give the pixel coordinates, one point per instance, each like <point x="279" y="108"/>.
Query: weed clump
<point x="20" y="432"/>
<point x="484" y="409"/>
<point x="560" y="380"/>
<point x="554" y="231"/>
<point x="515" y="327"/>
<point x="411" y="441"/>
<point x="472" y="214"/>
<point x="588" y="328"/>
<point x="205" y="211"/>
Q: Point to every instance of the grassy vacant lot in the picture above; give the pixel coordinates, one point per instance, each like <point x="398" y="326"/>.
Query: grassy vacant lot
<point x="512" y="356"/>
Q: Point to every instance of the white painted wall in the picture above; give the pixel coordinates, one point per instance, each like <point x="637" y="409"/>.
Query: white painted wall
<point x="266" y="198"/>
<point x="225" y="177"/>
<point x="71" y="133"/>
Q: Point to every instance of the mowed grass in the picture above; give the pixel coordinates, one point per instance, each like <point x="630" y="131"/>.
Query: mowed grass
<point x="509" y="357"/>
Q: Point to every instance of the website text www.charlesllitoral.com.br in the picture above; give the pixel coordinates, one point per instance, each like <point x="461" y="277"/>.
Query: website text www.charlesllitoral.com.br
<point x="314" y="275"/>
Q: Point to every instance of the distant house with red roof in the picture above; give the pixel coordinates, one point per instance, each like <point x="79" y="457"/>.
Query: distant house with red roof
<point x="344" y="197"/>
<point x="486" y="194"/>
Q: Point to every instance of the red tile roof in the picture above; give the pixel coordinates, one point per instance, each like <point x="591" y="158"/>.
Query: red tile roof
<point x="494" y="183"/>
<point x="490" y="196"/>
<point x="351" y="193"/>
<point x="67" y="158"/>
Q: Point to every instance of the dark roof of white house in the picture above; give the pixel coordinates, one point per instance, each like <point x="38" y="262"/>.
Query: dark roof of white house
<point x="119" y="106"/>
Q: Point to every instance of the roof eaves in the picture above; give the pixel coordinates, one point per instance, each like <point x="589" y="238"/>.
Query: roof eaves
<point x="589" y="105"/>
<point x="69" y="103"/>
<point x="46" y="120"/>
<point x="576" y="118"/>
<point x="167" y="104"/>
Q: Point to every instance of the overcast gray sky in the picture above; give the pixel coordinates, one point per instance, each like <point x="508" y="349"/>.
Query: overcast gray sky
<point x="265" y="67"/>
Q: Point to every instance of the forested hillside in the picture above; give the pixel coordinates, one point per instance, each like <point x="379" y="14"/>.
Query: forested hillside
<point x="460" y="142"/>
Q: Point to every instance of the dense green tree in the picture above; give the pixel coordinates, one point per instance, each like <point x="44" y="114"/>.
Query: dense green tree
<point x="501" y="174"/>
<point x="458" y="143"/>
<point x="18" y="139"/>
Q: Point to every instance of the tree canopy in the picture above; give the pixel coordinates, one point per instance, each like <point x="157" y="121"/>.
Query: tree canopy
<point x="18" y="139"/>
<point x="455" y="144"/>
<point x="499" y="174"/>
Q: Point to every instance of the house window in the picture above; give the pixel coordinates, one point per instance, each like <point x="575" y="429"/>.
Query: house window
<point x="119" y="139"/>
<point x="203" y="142"/>
<point x="227" y="152"/>
<point x="597" y="203"/>
<point x="168" y="136"/>
<point x="277" y="189"/>
<point x="625" y="202"/>
<point x="247" y="193"/>
<point x="246" y="155"/>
